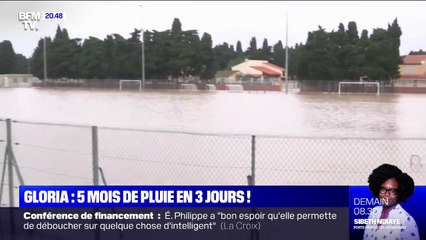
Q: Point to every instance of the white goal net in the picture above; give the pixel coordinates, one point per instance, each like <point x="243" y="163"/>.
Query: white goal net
<point x="131" y="84"/>
<point x="353" y="87"/>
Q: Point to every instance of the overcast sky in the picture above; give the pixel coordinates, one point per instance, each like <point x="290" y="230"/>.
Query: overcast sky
<point x="225" y="21"/>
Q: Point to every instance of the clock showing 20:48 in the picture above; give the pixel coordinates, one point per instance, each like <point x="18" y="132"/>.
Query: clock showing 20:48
<point x="53" y="15"/>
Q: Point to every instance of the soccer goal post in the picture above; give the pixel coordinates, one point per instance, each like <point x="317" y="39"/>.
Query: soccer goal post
<point x="188" y="87"/>
<point x="360" y="83"/>
<point x="139" y="82"/>
<point x="235" y="87"/>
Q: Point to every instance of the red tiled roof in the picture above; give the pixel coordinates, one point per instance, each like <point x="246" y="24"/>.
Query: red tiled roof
<point x="275" y="66"/>
<point x="266" y="70"/>
<point x="414" y="59"/>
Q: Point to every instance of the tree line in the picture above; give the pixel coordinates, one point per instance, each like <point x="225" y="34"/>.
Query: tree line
<point x="342" y="54"/>
<point x="177" y="53"/>
<point x="10" y="62"/>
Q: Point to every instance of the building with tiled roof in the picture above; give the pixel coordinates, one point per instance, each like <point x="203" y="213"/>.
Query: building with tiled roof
<point x="260" y="71"/>
<point x="413" y="67"/>
<point x="412" y="75"/>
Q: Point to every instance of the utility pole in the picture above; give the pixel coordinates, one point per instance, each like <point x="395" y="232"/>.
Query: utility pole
<point x="286" y="52"/>
<point x="143" y="51"/>
<point x="44" y="61"/>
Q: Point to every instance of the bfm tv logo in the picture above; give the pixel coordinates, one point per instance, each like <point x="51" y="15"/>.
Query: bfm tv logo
<point x="30" y="19"/>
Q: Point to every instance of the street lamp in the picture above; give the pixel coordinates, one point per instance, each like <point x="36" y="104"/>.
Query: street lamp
<point x="143" y="53"/>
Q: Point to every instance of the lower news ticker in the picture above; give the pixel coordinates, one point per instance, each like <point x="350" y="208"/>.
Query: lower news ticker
<point x="181" y="212"/>
<point x="224" y="220"/>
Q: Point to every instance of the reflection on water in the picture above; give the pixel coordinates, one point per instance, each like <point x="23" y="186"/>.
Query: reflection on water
<point x="271" y="113"/>
<point x="352" y="115"/>
<point x="44" y="152"/>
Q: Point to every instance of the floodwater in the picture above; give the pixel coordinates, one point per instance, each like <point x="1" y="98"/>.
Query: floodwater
<point x="258" y="113"/>
<point x="315" y="139"/>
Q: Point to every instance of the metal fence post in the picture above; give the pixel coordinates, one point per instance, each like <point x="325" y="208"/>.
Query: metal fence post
<point x="253" y="159"/>
<point x="9" y="161"/>
<point x="95" y="155"/>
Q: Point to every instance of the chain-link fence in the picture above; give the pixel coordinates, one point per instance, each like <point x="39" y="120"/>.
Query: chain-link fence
<point x="58" y="154"/>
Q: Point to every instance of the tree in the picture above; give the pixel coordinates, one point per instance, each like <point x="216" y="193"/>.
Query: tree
<point x="316" y="57"/>
<point x="174" y="52"/>
<point x="62" y="55"/>
<point x="265" y="53"/>
<point x="395" y="33"/>
<point x="252" y="49"/>
<point x="344" y="55"/>
<point x="21" y="64"/>
<point x="265" y="45"/>
<point x="353" y="56"/>
<point x="378" y="55"/>
<point x="420" y="52"/>
<point x="7" y="57"/>
<point x="133" y="55"/>
<point x="223" y="55"/>
<point x="293" y="59"/>
<point x="189" y="55"/>
<point x="352" y="33"/>
<point x="37" y="58"/>
<point x="177" y="53"/>
<point x="176" y="27"/>
<point x="91" y="59"/>
<point x="364" y="37"/>
<point x="239" y="48"/>
<point x="278" y="54"/>
<point x="339" y="47"/>
<point x="157" y="53"/>
<point x="206" y="56"/>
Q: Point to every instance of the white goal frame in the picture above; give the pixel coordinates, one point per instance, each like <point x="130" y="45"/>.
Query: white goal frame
<point x="361" y="83"/>
<point x="211" y="87"/>
<point x="131" y="81"/>
<point x="235" y="87"/>
<point x="188" y="87"/>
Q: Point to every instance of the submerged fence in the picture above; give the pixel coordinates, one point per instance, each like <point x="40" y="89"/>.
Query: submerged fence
<point x="60" y="154"/>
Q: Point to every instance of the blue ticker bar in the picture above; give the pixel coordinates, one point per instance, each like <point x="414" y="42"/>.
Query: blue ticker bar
<point x="183" y="196"/>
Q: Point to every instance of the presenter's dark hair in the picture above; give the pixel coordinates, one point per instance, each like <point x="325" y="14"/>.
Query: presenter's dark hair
<point x="386" y="171"/>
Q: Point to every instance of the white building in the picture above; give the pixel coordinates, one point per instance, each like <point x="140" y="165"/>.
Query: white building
<point x="18" y="80"/>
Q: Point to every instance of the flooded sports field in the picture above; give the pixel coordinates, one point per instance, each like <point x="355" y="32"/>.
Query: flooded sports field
<point x="270" y="113"/>
<point x="216" y="137"/>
